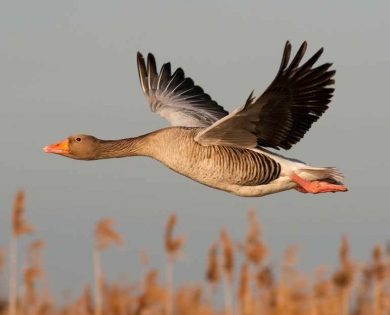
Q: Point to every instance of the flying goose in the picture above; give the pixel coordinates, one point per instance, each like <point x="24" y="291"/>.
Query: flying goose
<point x="226" y="151"/>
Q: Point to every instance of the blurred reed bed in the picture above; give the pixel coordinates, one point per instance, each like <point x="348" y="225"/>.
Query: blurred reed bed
<point x="252" y="286"/>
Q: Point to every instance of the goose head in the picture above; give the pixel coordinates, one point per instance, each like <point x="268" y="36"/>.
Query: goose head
<point x="79" y="147"/>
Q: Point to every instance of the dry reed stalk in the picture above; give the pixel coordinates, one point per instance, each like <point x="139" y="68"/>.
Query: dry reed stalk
<point x="265" y="279"/>
<point x="254" y="230"/>
<point x="321" y="291"/>
<point x="143" y="255"/>
<point x="105" y="235"/>
<point x="84" y="304"/>
<point x="154" y="297"/>
<point x="172" y="247"/>
<point x="227" y="267"/>
<point x="35" y="258"/>
<point x="31" y="273"/>
<point x="44" y="308"/>
<point x="87" y="299"/>
<point x="21" y="303"/>
<point x="282" y="296"/>
<point x="2" y="259"/>
<point x="34" y="252"/>
<point x="45" y="300"/>
<point x="189" y="301"/>
<point x="118" y="298"/>
<point x="363" y="298"/>
<point x="212" y="271"/>
<point x="343" y="277"/>
<point x="98" y="282"/>
<point x="379" y="272"/>
<point x="244" y="293"/>
<point x="254" y="248"/>
<point x="19" y="227"/>
<point x="289" y="263"/>
<point x="265" y="284"/>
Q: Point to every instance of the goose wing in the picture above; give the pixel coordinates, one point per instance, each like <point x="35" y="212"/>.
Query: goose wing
<point x="281" y="116"/>
<point x="176" y="97"/>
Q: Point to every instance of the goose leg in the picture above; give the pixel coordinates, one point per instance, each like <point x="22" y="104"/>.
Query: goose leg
<point x="315" y="187"/>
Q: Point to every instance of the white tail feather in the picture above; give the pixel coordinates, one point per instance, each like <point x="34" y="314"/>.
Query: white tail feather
<point x="329" y="174"/>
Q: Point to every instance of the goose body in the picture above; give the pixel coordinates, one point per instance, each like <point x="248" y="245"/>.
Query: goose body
<point x="225" y="151"/>
<point x="240" y="171"/>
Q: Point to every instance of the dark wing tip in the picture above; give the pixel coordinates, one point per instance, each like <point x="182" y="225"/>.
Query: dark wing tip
<point x="285" y="58"/>
<point x="151" y="57"/>
<point x="312" y="60"/>
<point x="151" y="62"/>
<point x="140" y="60"/>
<point x="297" y="59"/>
<point x="152" y="70"/>
<point x="141" y="66"/>
<point x="303" y="47"/>
<point x="179" y="71"/>
<point x="318" y="54"/>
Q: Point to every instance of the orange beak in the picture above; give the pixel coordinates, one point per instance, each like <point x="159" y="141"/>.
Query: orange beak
<point x="58" y="148"/>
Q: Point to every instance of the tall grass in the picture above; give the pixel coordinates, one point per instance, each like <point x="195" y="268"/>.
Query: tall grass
<point x="238" y="271"/>
<point x="105" y="235"/>
<point x="19" y="227"/>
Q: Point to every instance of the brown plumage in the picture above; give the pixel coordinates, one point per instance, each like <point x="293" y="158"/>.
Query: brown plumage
<point x="222" y="150"/>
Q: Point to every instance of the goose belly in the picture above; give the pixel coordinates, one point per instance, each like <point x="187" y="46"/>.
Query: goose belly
<point x="224" y="168"/>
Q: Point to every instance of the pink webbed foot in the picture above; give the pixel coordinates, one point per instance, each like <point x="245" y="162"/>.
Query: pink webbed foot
<point x="316" y="187"/>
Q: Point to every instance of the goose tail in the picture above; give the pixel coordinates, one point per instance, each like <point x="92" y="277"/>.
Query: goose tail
<point x="325" y="174"/>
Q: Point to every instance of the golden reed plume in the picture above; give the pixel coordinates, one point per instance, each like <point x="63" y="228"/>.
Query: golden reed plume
<point x="19" y="225"/>
<point x="212" y="270"/>
<point x="254" y="248"/>
<point x="105" y="235"/>
<point x="172" y="244"/>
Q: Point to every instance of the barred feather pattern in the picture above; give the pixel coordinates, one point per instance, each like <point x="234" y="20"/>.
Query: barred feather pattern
<point x="205" y="164"/>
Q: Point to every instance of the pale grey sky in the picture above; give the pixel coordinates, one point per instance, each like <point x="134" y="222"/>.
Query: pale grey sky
<point x="69" y="67"/>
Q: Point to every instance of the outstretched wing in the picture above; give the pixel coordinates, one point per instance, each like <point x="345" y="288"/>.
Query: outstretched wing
<point x="281" y="116"/>
<point x="175" y="97"/>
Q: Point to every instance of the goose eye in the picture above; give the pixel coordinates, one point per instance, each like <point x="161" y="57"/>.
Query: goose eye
<point x="78" y="139"/>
